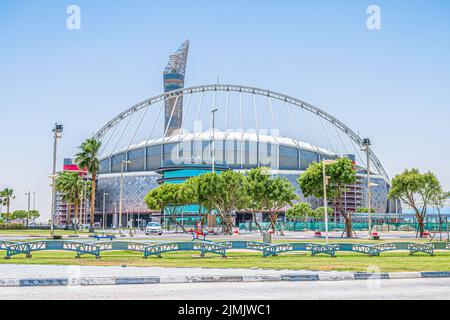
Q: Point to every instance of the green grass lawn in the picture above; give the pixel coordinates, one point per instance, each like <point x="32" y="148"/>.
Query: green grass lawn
<point x="387" y="262"/>
<point x="37" y="233"/>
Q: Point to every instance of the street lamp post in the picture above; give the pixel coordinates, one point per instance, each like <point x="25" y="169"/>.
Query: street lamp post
<point x="115" y="213"/>
<point x="366" y="144"/>
<point x="121" y="191"/>
<point x="213" y="139"/>
<point x="325" y="201"/>
<point x="57" y="134"/>
<point x="82" y="203"/>
<point x="104" y="211"/>
<point x="28" y="194"/>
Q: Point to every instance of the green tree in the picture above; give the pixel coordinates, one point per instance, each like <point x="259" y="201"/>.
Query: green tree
<point x="340" y="174"/>
<point x="168" y="198"/>
<point x="34" y="214"/>
<point x="268" y="194"/>
<point x="319" y="213"/>
<point x="192" y="192"/>
<point x="223" y="193"/>
<point x="19" y="215"/>
<point x="300" y="210"/>
<point x="256" y="187"/>
<point x="417" y="191"/>
<point x="279" y="194"/>
<point x="6" y="196"/>
<point x="438" y="202"/>
<point x="365" y="210"/>
<point x="70" y="185"/>
<point x="87" y="158"/>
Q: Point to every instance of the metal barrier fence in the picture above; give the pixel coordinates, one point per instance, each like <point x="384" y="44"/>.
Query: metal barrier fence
<point x="357" y="226"/>
<point x="220" y="248"/>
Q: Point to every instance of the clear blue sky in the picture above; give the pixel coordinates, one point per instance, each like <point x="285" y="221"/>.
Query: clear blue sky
<point x="392" y="85"/>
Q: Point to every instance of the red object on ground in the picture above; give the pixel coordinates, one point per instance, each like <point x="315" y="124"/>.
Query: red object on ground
<point x="317" y="234"/>
<point x="198" y="232"/>
<point x="271" y="231"/>
<point x="375" y="233"/>
<point x="426" y="234"/>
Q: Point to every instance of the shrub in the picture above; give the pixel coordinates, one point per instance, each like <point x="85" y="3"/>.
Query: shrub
<point x="12" y="226"/>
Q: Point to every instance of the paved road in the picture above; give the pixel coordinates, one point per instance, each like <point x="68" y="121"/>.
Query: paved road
<point x="12" y="271"/>
<point x="170" y="235"/>
<point x="347" y="290"/>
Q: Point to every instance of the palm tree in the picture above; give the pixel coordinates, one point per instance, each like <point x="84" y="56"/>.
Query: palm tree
<point x="70" y="184"/>
<point x="87" y="159"/>
<point x="1" y="205"/>
<point x="7" y="195"/>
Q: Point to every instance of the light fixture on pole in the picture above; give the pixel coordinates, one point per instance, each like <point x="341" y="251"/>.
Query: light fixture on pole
<point x="53" y="177"/>
<point x="104" y="210"/>
<point x="82" y="202"/>
<point x="325" y="201"/>
<point x="213" y="160"/>
<point x="57" y="134"/>
<point x="28" y="194"/>
<point x="115" y="215"/>
<point x="121" y="190"/>
<point x="366" y="147"/>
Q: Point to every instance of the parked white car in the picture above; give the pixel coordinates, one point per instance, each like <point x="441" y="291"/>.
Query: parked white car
<point x="153" y="227"/>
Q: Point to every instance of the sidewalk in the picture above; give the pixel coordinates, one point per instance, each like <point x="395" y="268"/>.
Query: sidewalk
<point x="43" y="275"/>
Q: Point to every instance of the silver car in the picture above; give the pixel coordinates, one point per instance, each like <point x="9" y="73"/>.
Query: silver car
<point x="153" y="227"/>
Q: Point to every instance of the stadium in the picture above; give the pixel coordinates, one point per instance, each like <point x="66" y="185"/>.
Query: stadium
<point x="185" y="132"/>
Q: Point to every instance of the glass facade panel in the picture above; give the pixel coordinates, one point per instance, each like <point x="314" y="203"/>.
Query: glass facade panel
<point x="268" y="155"/>
<point x="251" y="154"/>
<point x="198" y="157"/>
<point x="153" y="157"/>
<point x="186" y="152"/>
<point x="233" y="153"/>
<point x="137" y="161"/>
<point x="170" y="154"/>
<point x="104" y="166"/>
<point x="288" y="158"/>
<point x="219" y="151"/>
<point x="116" y="161"/>
<point x="206" y="151"/>
<point x="306" y="158"/>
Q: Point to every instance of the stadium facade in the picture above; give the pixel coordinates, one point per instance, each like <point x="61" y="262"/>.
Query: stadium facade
<point x="143" y="147"/>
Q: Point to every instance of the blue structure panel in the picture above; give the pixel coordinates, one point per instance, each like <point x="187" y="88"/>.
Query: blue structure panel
<point x="55" y="245"/>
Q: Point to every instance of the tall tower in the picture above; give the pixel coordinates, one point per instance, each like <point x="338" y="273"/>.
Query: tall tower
<point x="173" y="77"/>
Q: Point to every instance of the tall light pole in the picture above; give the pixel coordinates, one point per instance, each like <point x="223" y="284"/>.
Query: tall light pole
<point x="82" y="202"/>
<point x="57" y="134"/>
<point x="366" y="145"/>
<point x="115" y="213"/>
<point x="104" y="210"/>
<point x="213" y="139"/>
<point x="121" y="191"/>
<point x="28" y="194"/>
<point x="325" y="201"/>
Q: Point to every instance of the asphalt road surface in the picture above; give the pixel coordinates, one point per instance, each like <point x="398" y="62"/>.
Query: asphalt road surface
<point x="406" y="289"/>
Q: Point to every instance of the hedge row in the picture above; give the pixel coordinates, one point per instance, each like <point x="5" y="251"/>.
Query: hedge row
<point x="12" y="226"/>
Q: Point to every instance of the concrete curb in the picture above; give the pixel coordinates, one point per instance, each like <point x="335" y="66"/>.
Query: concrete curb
<point x="324" y="276"/>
